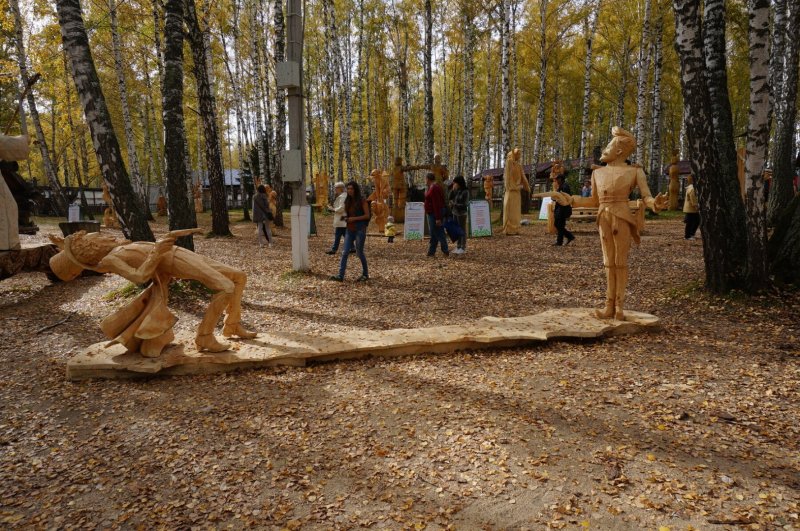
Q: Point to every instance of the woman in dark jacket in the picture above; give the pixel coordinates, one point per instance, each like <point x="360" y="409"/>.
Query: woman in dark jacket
<point x="459" y="200"/>
<point x="262" y="216"/>
<point x="357" y="215"/>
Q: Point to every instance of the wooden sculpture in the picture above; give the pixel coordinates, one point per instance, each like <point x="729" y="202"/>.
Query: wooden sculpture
<point x="439" y="171"/>
<point x="514" y="181"/>
<point x="161" y="205"/>
<point x="109" y="214"/>
<point x="556" y="169"/>
<point x="611" y="186"/>
<point x="197" y="192"/>
<point x="399" y="190"/>
<point x="145" y="324"/>
<point x="321" y="190"/>
<point x="273" y="200"/>
<point x="379" y="197"/>
<point x="12" y="148"/>
<point x="674" y="181"/>
<point x="488" y="186"/>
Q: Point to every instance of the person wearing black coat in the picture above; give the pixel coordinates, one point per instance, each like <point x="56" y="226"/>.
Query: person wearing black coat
<point x="562" y="213"/>
<point x="262" y="215"/>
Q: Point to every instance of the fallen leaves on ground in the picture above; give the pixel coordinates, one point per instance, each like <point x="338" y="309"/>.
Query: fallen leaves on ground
<point x="693" y="427"/>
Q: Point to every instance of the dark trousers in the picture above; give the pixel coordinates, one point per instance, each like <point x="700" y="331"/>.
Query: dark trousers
<point x="692" y="220"/>
<point x="437" y="236"/>
<point x="462" y="222"/>
<point x="338" y="235"/>
<point x="561" y="227"/>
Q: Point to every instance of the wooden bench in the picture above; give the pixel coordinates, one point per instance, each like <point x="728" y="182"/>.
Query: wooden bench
<point x="589" y="214"/>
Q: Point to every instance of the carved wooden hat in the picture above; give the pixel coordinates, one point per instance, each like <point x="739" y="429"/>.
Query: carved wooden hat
<point x="64" y="268"/>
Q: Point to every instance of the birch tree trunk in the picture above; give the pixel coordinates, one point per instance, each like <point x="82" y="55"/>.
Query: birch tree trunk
<point x="129" y="209"/>
<point x="208" y="113"/>
<point x="654" y="177"/>
<point x="591" y="28"/>
<point x="469" y="88"/>
<point x="623" y="85"/>
<point x="782" y="188"/>
<point x="505" y="121"/>
<point x="717" y="79"/>
<point x="641" y="86"/>
<point x="280" y="107"/>
<point x="73" y="134"/>
<point x="537" y="136"/>
<point x="130" y="141"/>
<point x="721" y="207"/>
<point x="428" y="82"/>
<point x="181" y="213"/>
<point x="757" y="140"/>
<point x="59" y="199"/>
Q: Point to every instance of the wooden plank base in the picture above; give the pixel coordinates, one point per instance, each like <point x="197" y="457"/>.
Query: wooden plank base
<point x="103" y="360"/>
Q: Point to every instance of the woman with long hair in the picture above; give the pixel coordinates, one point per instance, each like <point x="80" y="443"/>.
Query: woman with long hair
<point x="357" y="215"/>
<point x="459" y="203"/>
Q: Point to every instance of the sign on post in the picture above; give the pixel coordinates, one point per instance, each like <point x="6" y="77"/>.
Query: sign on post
<point x="414" y="226"/>
<point x="480" y="219"/>
<point x="543" y="210"/>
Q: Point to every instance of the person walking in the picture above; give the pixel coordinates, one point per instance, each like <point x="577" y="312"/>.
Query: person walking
<point x="562" y="213"/>
<point x="357" y="216"/>
<point x="262" y="216"/>
<point x="691" y="209"/>
<point x="434" y="210"/>
<point x="339" y="224"/>
<point x="459" y="199"/>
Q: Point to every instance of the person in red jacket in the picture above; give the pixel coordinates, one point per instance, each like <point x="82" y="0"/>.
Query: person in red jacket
<point x="434" y="210"/>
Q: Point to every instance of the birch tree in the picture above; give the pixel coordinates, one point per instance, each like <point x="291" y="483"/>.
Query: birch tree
<point x="181" y="213"/>
<point x="469" y="88"/>
<point x="50" y="171"/>
<point x="130" y="141"/>
<point x="428" y="82"/>
<point x="280" y="107"/>
<point x="591" y="29"/>
<point x="721" y="207"/>
<point x="537" y="136"/>
<point x="654" y="176"/>
<point x="208" y="113"/>
<point x="505" y="43"/>
<point x="129" y="209"/>
<point x="641" y="85"/>
<point x="757" y="139"/>
<point x="782" y="188"/>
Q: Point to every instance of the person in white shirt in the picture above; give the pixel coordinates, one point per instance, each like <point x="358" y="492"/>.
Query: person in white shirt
<point x="339" y="223"/>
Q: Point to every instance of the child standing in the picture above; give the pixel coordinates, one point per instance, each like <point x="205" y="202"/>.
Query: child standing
<point x="389" y="229"/>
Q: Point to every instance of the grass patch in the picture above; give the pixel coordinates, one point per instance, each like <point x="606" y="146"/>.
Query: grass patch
<point x="128" y="291"/>
<point x="188" y="289"/>
<point x="293" y="276"/>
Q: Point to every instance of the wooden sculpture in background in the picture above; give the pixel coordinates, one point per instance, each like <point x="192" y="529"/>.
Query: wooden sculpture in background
<point x="556" y="169"/>
<point x="161" y="205"/>
<point x="109" y="214"/>
<point x="399" y="191"/>
<point x="197" y="192"/>
<point x="378" y="198"/>
<point x="488" y="186"/>
<point x="12" y="148"/>
<point x="513" y="181"/>
<point x="674" y="181"/>
<point x="145" y="324"/>
<point x="611" y="187"/>
<point x="321" y="190"/>
<point x="439" y="170"/>
<point x="273" y="200"/>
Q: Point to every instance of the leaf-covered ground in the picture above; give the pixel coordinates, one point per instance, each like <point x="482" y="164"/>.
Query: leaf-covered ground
<point x="693" y="427"/>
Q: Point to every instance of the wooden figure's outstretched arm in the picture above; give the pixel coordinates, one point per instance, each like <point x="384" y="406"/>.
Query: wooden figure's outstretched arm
<point x="656" y="204"/>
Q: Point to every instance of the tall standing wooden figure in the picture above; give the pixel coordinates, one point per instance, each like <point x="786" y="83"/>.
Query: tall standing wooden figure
<point x="611" y="188"/>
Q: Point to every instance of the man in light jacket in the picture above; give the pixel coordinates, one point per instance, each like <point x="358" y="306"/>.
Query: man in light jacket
<point x="339" y="224"/>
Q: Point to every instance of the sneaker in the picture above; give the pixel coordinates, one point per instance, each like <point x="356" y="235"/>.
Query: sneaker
<point x="458" y="251"/>
<point x="330" y="252"/>
<point x="336" y="278"/>
<point x="362" y="278"/>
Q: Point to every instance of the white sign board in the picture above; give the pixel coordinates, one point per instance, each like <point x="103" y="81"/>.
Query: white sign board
<point x="543" y="211"/>
<point x="480" y="219"/>
<point x="414" y="227"/>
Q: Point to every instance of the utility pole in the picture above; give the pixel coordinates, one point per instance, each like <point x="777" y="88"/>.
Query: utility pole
<point x="293" y="160"/>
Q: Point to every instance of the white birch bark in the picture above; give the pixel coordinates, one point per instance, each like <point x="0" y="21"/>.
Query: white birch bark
<point x="654" y="177"/>
<point x="505" y="120"/>
<point x="590" y="26"/>
<point x="537" y="137"/>
<point x="641" y="85"/>
<point x="127" y="122"/>
<point x="757" y="140"/>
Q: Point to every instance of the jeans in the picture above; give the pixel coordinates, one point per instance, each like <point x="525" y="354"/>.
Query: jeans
<point x="338" y="235"/>
<point x="462" y="222"/>
<point x="692" y="220"/>
<point x="437" y="236"/>
<point x="561" y="227"/>
<point x="264" y="232"/>
<point x="357" y="238"/>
